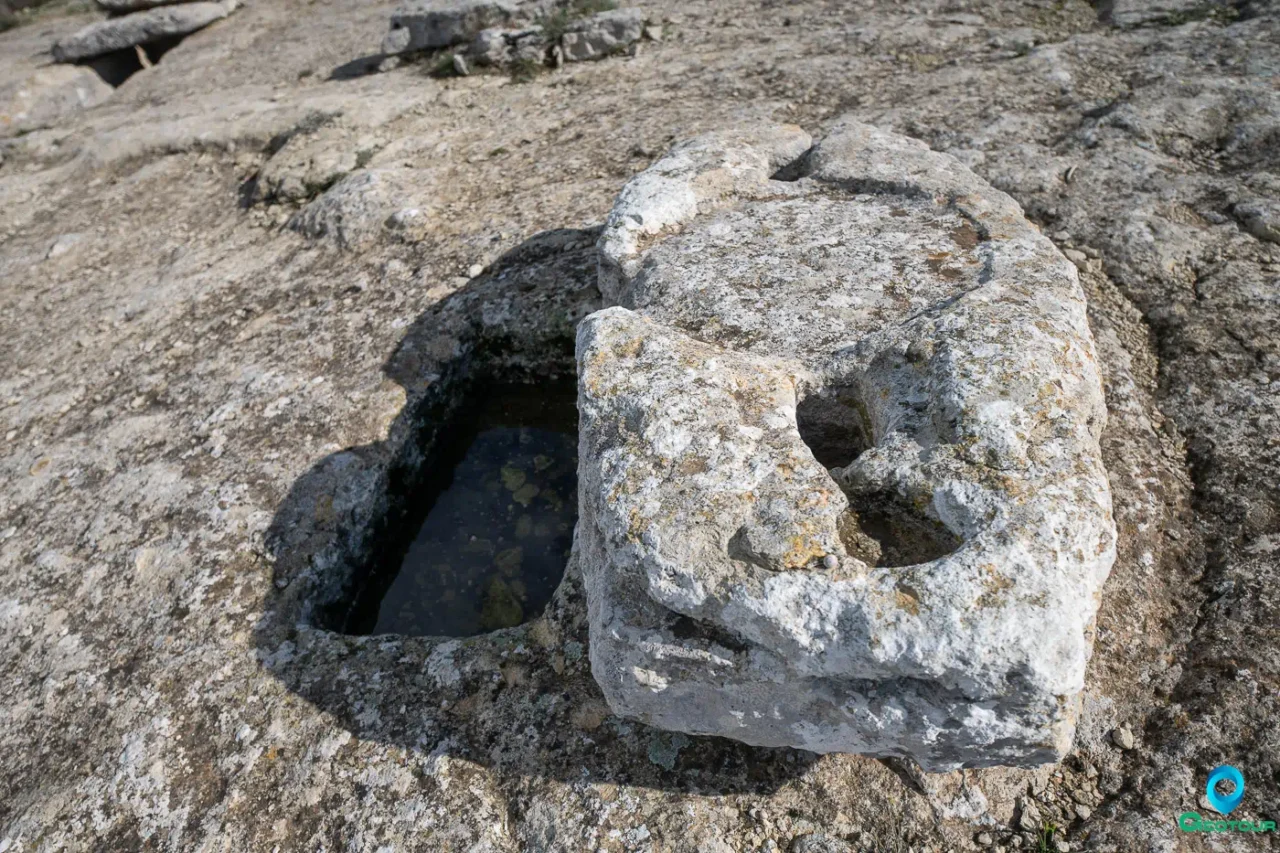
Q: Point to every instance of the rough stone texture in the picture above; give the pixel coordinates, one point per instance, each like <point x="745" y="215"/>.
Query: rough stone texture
<point x="355" y="210"/>
<point x="140" y="28"/>
<point x="935" y="349"/>
<point x="121" y="7"/>
<point x="499" y="47"/>
<point x="602" y="34"/>
<point x="498" y="33"/>
<point x="424" y="24"/>
<point x="307" y="164"/>
<point x="1142" y="13"/>
<point x="189" y="364"/>
<point x="48" y="96"/>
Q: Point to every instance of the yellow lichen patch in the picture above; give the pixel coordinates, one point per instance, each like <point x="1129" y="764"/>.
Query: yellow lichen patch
<point x="995" y="585"/>
<point x="639" y="523"/>
<point x="803" y="548"/>
<point x="906" y="598"/>
<point x="691" y="465"/>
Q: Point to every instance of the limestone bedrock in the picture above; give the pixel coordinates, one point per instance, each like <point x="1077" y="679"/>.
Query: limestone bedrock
<point x="931" y="347"/>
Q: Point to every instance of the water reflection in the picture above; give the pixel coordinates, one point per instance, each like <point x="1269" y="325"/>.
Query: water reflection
<point x="486" y="537"/>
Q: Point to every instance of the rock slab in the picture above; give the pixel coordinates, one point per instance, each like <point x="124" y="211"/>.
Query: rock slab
<point x="500" y="32"/>
<point x="427" y="24"/>
<point x="140" y="28"/>
<point x="121" y="7"/>
<point x="602" y="34"/>
<point x="840" y="481"/>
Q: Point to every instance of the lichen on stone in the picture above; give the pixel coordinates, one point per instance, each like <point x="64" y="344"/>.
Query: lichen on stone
<point x="930" y="594"/>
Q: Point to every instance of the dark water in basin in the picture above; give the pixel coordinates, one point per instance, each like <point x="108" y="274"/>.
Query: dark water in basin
<point x="486" y="537"/>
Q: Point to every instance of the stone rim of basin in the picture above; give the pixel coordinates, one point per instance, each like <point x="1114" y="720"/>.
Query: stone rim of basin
<point x="725" y="594"/>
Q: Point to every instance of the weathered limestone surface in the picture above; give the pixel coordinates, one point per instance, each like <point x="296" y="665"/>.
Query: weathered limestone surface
<point x="48" y="95"/>
<point x="125" y="6"/>
<point x="354" y="211"/>
<point x="932" y="346"/>
<point x="423" y="24"/>
<point x="181" y="373"/>
<point x="140" y="28"/>
<point x="601" y="34"/>
<point x="499" y="32"/>
<point x="498" y="46"/>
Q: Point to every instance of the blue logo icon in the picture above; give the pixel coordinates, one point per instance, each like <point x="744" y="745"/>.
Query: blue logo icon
<point x="1225" y="803"/>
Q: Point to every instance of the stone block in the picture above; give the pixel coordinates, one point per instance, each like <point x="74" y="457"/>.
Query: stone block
<point x="140" y="28"/>
<point x="602" y="34"/>
<point x="840" y="481"/>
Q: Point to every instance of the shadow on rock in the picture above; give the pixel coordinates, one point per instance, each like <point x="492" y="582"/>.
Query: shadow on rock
<point x="522" y="699"/>
<point x="360" y="67"/>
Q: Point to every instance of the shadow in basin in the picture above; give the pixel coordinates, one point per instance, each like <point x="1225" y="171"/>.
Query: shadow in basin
<point x="519" y="699"/>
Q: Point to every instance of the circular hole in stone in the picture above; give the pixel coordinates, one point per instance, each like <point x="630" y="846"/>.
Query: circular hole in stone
<point x="480" y="539"/>
<point x="833" y="426"/>
<point x="879" y="529"/>
<point x="883" y="531"/>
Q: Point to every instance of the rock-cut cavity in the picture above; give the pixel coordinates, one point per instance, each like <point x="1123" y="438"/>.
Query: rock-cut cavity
<point x="119" y="65"/>
<point x="481" y="540"/>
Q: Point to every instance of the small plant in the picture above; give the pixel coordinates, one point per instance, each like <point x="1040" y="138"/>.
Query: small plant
<point x="525" y="69"/>
<point x="555" y="25"/>
<point x="444" y="66"/>
<point x="1045" y="841"/>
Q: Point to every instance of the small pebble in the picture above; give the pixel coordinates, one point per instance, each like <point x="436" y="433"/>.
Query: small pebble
<point x="984" y="839"/>
<point x="1123" y="738"/>
<point x="475" y="270"/>
<point x="1084" y="812"/>
<point x="830" y="563"/>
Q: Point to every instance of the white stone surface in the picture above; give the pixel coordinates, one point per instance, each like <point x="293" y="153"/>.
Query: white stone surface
<point x="931" y="595"/>
<point x="48" y="95"/>
<point x="425" y="24"/>
<point x="601" y="34"/>
<point x="138" y="28"/>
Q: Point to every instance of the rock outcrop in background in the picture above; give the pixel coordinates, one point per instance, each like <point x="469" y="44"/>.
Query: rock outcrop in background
<point x="503" y="33"/>
<point x="139" y="24"/>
